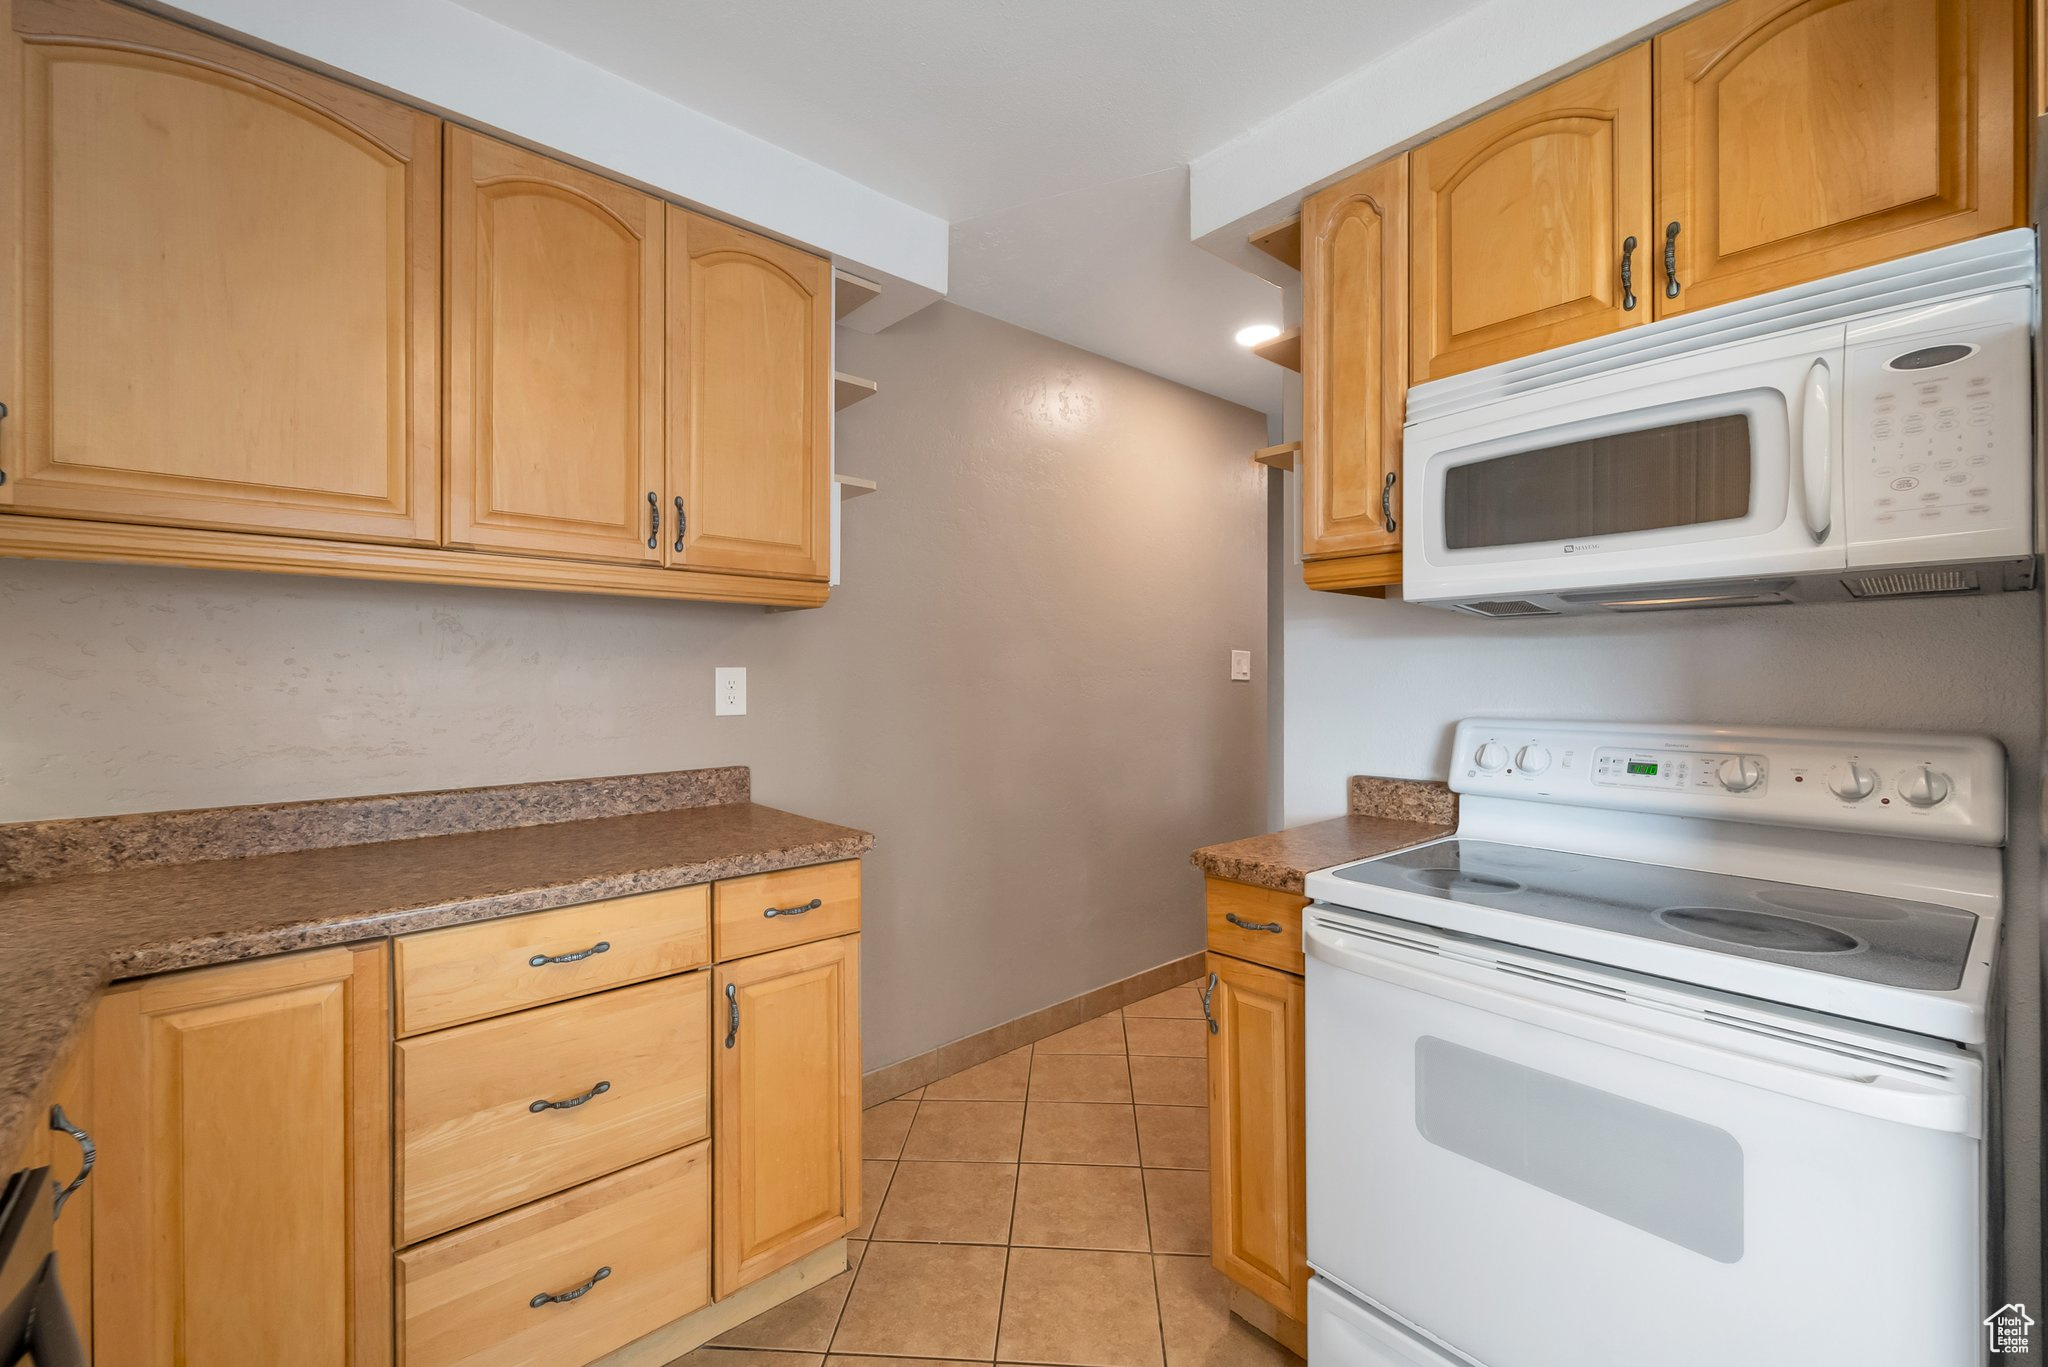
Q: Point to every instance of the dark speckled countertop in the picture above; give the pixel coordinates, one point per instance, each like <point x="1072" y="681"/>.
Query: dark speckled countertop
<point x="1387" y="814"/>
<point x="65" y="936"/>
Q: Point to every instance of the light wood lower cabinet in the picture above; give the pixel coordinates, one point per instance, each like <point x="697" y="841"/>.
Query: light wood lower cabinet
<point x="1258" y="1186"/>
<point x="787" y="1045"/>
<point x="242" y="1196"/>
<point x="565" y="1280"/>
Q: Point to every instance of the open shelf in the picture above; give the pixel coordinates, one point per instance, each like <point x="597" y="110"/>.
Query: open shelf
<point x="853" y="486"/>
<point x="848" y="390"/>
<point x="1282" y="350"/>
<point x="1281" y="241"/>
<point x="849" y="292"/>
<point x="1279" y="457"/>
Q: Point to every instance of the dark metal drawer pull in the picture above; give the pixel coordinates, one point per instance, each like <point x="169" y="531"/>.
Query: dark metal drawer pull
<point x="732" y="1013"/>
<point x="564" y="1297"/>
<point x="1270" y="927"/>
<point x="1207" y="992"/>
<point x="811" y="905"/>
<point x="543" y="960"/>
<point x="572" y="1103"/>
<point x="62" y="1124"/>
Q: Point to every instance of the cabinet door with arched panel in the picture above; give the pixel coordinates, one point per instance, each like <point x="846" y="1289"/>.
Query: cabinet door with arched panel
<point x="222" y="312"/>
<point x="1797" y="139"/>
<point x="1532" y="223"/>
<point x="750" y="408"/>
<point x="555" y="338"/>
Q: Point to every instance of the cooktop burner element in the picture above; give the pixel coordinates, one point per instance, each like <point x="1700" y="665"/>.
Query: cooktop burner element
<point x="1886" y="940"/>
<point x="1736" y="926"/>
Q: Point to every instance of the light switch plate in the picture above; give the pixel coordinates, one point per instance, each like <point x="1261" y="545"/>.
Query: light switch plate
<point x="729" y="692"/>
<point x="1240" y="666"/>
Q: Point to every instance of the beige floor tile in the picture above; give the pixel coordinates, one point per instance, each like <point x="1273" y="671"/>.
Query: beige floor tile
<point x="1079" y="1132"/>
<point x="1173" y="1136"/>
<point x="856" y="1360"/>
<point x="924" y="1300"/>
<point x="1069" y="1206"/>
<point x="1080" y="1306"/>
<point x="1177" y="1038"/>
<point x="1194" y="1308"/>
<point x="1080" y="1077"/>
<point x="1181" y="1003"/>
<point x="965" y="1131"/>
<point x="1000" y="1079"/>
<point x="1103" y="1035"/>
<point x="911" y="1095"/>
<point x="949" y="1203"/>
<point x="874" y="1185"/>
<point x="1177" y="1207"/>
<point x="713" y="1356"/>
<point x="1157" y="1081"/>
<point x="882" y="1128"/>
<point x="802" y="1323"/>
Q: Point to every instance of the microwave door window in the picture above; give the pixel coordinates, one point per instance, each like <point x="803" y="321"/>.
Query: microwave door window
<point x="1683" y="474"/>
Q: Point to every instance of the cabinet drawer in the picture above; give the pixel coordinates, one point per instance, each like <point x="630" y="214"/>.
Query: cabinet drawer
<point x="1241" y="921"/>
<point x="470" y="1141"/>
<point x="789" y="907"/>
<point x="465" y="973"/>
<point x="466" y="1299"/>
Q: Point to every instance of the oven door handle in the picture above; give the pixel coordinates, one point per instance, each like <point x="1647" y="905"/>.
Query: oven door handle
<point x="1817" y="451"/>
<point x="1872" y="1091"/>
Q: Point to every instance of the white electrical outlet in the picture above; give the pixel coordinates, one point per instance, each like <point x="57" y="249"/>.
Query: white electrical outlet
<point x="729" y="692"/>
<point x="1241" y="666"/>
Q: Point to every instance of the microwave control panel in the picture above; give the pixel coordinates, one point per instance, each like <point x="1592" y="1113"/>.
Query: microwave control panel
<point x="1938" y="432"/>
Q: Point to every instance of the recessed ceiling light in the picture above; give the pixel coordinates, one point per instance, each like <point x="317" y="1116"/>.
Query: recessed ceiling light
<point x="1256" y="333"/>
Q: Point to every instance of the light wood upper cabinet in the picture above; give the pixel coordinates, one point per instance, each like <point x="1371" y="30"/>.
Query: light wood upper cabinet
<point x="786" y="1148"/>
<point x="1354" y="241"/>
<point x="1520" y="221"/>
<point x="749" y="401"/>
<point x="555" y="336"/>
<point x="243" y="1187"/>
<point x="1798" y="139"/>
<point x="1258" y="1133"/>
<point x="222" y="311"/>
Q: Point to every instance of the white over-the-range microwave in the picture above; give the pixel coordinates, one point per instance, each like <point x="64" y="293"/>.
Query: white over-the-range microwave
<point x="1865" y="436"/>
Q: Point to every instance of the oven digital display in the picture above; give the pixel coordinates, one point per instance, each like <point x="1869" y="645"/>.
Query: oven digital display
<point x="1643" y="766"/>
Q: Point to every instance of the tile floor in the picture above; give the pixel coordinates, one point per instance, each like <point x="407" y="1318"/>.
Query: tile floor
<point x="1048" y="1206"/>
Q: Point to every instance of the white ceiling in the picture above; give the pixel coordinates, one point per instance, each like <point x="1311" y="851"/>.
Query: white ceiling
<point x="1037" y="127"/>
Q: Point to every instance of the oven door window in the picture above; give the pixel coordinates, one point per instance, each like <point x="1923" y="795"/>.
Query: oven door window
<point x="1681" y="474"/>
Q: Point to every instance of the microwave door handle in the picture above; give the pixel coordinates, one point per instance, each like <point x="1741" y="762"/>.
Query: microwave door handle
<point x="1817" y="451"/>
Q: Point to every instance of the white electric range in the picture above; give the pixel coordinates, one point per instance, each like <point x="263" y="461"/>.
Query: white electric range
<point x="1672" y="1054"/>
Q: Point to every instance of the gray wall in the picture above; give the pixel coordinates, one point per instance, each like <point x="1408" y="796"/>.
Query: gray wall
<point x="1375" y="687"/>
<point x="1022" y="687"/>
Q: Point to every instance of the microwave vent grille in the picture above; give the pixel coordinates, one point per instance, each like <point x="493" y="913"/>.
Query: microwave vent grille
<point x="1506" y="607"/>
<point x="1912" y="583"/>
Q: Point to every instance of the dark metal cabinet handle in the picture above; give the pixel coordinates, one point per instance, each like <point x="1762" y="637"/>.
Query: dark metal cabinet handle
<point x="809" y="906"/>
<point x="3" y="413"/>
<point x="732" y="1014"/>
<point x="1387" y="501"/>
<point x="1628" y="273"/>
<point x="572" y="1103"/>
<point x="682" y="522"/>
<point x="1671" y="259"/>
<point x="543" y="960"/>
<point x="653" y="520"/>
<point x="577" y="1293"/>
<point x="1207" y="1015"/>
<point x="1270" y="927"/>
<point x="61" y="1123"/>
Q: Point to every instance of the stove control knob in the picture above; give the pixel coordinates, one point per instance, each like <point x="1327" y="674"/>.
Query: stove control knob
<point x="1492" y="757"/>
<point x="1740" y="773"/>
<point x="1924" y="787"/>
<point x="1534" y="759"/>
<point x="1852" y="782"/>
